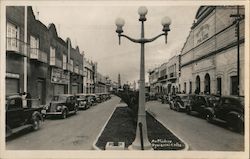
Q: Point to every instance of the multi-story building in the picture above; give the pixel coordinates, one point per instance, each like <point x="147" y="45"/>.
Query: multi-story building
<point x="165" y="78"/>
<point x="209" y="56"/>
<point x="52" y="65"/>
<point x="90" y="76"/>
<point x="102" y="84"/>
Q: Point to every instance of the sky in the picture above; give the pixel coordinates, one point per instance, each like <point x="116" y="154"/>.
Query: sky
<point x="92" y="28"/>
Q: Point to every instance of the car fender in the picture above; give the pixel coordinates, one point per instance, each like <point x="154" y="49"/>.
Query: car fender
<point x="64" y="108"/>
<point x="209" y="110"/>
<point x="180" y="105"/>
<point x="37" y="114"/>
<point x="234" y="113"/>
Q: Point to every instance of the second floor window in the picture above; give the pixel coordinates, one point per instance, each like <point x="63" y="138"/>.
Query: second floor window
<point x="12" y="36"/>
<point x="64" y="61"/>
<point x="52" y="56"/>
<point x="34" y="42"/>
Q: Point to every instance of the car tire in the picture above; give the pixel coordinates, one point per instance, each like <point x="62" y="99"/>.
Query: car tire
<point x="235" y="123"/>
<point x="64" y="114"/>
<point x="188" y="110"/>
<point x="75" y="111"/>
<point x="209" y="117"/>
<point x="178" y="107"/>
<point x="36" y="123"/>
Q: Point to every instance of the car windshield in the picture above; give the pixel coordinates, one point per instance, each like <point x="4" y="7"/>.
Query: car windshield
<point x="59" y="98"/>
<point x="81" y="97"/>
<point x="213" y="99"/>
<point x="184" y="97"/>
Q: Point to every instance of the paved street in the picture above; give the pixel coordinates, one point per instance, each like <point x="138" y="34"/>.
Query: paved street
<point x="76" y="132"/>
<point x="197" y="132"/>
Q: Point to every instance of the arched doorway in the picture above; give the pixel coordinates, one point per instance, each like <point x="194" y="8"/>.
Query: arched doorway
<point x="198" y="84"/>
<point x="207" y="84"/>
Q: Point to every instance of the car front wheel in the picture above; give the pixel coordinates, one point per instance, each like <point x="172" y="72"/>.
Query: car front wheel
<point x="64" y="114"/>
<point x="188" y="110"/>
<point x="36" y="123"/>
<point x="235" y="123"/>
<point x="209" y="117"/>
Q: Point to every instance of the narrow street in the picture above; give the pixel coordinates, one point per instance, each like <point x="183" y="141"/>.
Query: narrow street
<point x="197" y="132"/>
<point x="77" y="132"/>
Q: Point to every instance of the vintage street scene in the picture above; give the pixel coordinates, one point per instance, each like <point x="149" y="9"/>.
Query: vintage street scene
<point x="133" y="77"/>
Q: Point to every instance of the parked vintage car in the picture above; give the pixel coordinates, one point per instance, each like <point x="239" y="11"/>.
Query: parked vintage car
<point x="19" y="118"/>
<point x="83" y="101"/>
<point x="229" y="109"/>
<point x="199" y="102"/>
<point x="62" y="105"/>
<point x="93" y="99"/>
<point x="181" y="101"/>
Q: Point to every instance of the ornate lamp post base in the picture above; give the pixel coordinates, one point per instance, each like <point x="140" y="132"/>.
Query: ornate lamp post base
<point x="136" y="145"/>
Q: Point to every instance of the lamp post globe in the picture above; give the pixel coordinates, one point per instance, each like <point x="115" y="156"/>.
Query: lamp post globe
<point x="165" y="21"/>
<point x="142" y="10"/>
<point x="119" y="22"/>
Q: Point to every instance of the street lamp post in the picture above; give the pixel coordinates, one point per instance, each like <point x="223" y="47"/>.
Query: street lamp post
<point x="141" y="140"/>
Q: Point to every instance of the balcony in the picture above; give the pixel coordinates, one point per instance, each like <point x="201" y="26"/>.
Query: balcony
<point x="55" y="62"/>
<point x="76" y="70"/>
<point x="172" y="75"/>
<point x="36" y="54"/>
<point x="69" y="67"/>
<point x="64" y="65"/>
<point x="81" y="72"/>
<point x="17" y="46"/>
<point x="164" y="77"/>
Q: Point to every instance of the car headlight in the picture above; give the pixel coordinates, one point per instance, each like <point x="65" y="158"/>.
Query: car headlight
<point x="59" y="107"/>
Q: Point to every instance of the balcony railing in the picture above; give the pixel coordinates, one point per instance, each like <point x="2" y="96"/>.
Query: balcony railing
<point x="163" y="78"/>
<point x="81" y="72"/>
<point x="69" y="67"/>
<point x="65" y="65"/>
<point x="76" y="70"/>
<point x="38" y="55"/>
<point x="172" y="75"/>
<point x="17" y="46"/>
<point x="58" y="63"/>
<point x="55" y="62"/>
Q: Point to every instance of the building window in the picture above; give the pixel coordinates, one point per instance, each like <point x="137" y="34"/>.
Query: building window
<point x="207" y="84"/>
<point x="197" y="82"/>
<point x="64" y="62"/>
<point x="185" y="87"/>
<point x="234" y="85"/>
<point x="219" y="86"/>
<point x="52" y="56"/>
<point x="34" y="42"/>
<point x="190" y="87"/>
<point x="12" y="36"/>
<point x="34" y="45"/>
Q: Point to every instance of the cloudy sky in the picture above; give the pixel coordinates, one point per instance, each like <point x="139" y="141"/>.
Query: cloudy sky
<point x="92" y="28"/>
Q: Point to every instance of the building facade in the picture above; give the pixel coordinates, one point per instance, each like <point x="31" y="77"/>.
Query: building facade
<point x="53" y="65"/>
<point x="209" y="56"/>
<point x="102" y="84"/>
<point x="165" y="78"/>
<point x="90" y="76"/>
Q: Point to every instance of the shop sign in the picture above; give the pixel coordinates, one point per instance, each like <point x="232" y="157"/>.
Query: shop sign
<point x="12" y="75"/>
<point x="59" y="76"/>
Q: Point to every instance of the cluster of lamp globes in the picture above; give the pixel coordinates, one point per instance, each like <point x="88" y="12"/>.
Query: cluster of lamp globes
<point x="142" y="11"/>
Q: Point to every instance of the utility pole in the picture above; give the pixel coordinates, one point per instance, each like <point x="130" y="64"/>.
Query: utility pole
<point x="238" y="17"/>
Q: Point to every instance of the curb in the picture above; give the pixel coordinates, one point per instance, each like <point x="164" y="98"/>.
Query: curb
<point x="95" y="141"/>
<point x="185" y="143"/>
